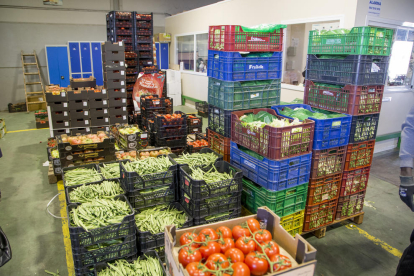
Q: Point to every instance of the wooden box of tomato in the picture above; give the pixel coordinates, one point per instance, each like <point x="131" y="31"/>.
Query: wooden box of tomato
<point x="291" y="256"/>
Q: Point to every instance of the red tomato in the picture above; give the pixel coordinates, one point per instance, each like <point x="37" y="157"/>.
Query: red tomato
<point x="239" y="232"/>
<point x="196" y="269"/>
<point x="246" y="245"/>
<point x="240" y="269"/>
<point x="262" y="235"/>
<point x="210" y="248"/>
<point x="224" y="232"/>
<point x="217" y="260"/>
<point x="186" y="239"/>
<point x="234" y="255"/>
<point x="208" y="233"/>
<point x="226" y="244"/>
<point x="257" y="265"/>
<point x="270" y="248"/>
<point x="282" y="262"/>
<point x="253" y="224"/>
<point x="189" y="255"/>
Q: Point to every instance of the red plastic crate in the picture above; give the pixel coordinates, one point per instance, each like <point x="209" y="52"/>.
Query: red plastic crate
<point x="324" y="189"/>
<point x="271" y="142"/>
<point x="359" y="155"/>
<point x="219" y="144"/>
<point x="350" y="99"/>
<point x="354" y="181"/>
<point x="328" y="161"/>
<point x="232" y="38"/>
<point x="350" y="205"/>
<point x="319" y="215"/>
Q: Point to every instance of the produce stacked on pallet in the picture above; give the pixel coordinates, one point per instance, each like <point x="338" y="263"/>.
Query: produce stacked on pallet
<point x="42" y="119"/>
<point x="53" y="156"/>
<point x="170" y="130"/>
<point x="130" y="137"/>
<point x="240" y="81"/>
<point x="345" y="73"/>
<point x="144" y="42"/>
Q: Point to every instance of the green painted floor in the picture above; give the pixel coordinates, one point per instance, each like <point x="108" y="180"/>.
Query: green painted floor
<point x="37" y="241"/>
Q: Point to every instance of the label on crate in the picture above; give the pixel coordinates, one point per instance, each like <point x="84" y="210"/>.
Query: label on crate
<point x="297" y="130"/>
<point x="187" y="200"/>
<point x="122" y="82"/>
<point x="106" y="119"/>
<point x="186" y="182"/>
<point x="63" y="94"/>
<point x="144" y="136"/>
<point x="123" y="100"/>
<point x="329" y="93"/>
<point x="86" y="122"/>
<point x="195" y="122"/>
<point x="195" y="129"/>
<point x="122" y="90"/>
<point x="85" y="103"/>
<point x="375" y="68"/>
<point x="65" y="113"/>
<point x="103" y="91"/>
<point x="88" y="129"/>
<point x="67" y="131"/>
<point x="132" y="137"/>
<point x="254" y="39"/>
<point x="86" y="113"/>
<point x="337" y="123"/>
<point x="121" y="63"/>
<point x="250" y="164"/>
<point x="124" y="117"/>
<point x="247" y="191"/>
<point x="156" y="102"/>
<point x="69" y="157"/>
<point x="325" y="197"/>
<point x="251" y="132"/>
<point x="255" y="95"/>
<point x="334" y="41"/>
<point x="65" y="104"/>
<point x="122" y="72"/>
<point x="104" y="102"/>
<point x="258" y="67"/>
<point x="124" y="108"/>
<point x="105" y="111"/>
<point x="68" y="148"/>
<point x="66" y="123"/>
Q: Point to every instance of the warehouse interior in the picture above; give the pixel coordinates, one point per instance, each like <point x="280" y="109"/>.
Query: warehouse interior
<point x="183" y="56"/>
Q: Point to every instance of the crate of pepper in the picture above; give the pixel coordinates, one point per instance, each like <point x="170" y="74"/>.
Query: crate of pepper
<point x="270" y="135"/>
<point x="218" y="179"/>
<point x="152" y="221"/>
<point x="147" y="173"/>
<point x="196" y="142"/>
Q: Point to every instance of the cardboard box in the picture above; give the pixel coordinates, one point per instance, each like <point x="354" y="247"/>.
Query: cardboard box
<point x="162" y="37"/>
<point x="58" y="106"/>
<point x="95" y="130"/>
<point x="300" y="252"/>
<point x="114" y="75"/>
<point x="118" y="119"/>
<point x="108" y="46"/>
<point x="78" y="104"/>
<point x="60" y="124"/>
<point x="57" y="132"/>
<point x="98" y="94"/>
<point x="80" y="123"/>
<point x="115" y="84"/>
<point x="113" y="55"/>
<point x="116" y="93"/>
<point x="80" y="131"/>
<point x="114" y="65"/>
<point x="57" y="97"/>
<point x="80" y="114"/>
<point x="98" y="103"/>
<point x="116" y="102"/>
<point x="121" y="110"/>
<point x="100" y="121"/>
<point x="99" y="112"/>
<point x="76" y="95"/>
<point x="60" y="115"/>
<point x="84" y="82"/>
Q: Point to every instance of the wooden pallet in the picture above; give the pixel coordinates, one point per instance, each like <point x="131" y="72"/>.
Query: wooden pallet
<point x="320" y="232"/>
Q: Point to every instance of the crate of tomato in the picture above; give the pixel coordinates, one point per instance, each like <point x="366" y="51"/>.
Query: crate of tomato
<point x="178" y="118"/>
<point x="197" y="143"/>
<point x="194" y="124"/>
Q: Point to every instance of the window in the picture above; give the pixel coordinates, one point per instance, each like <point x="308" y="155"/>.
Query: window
<point x="192" y="51"/>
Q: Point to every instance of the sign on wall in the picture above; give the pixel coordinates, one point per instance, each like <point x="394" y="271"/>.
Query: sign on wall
<point x="374" y="7"/>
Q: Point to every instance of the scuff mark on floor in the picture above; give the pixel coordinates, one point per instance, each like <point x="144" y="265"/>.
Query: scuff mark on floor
<point x="368" y="203"/>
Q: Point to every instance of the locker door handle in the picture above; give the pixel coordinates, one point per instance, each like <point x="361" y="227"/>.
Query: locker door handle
<point x="62" y="77"/>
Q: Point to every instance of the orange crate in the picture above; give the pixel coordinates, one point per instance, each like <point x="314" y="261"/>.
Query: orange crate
<point x="359" y="155"/>
<point x="354" y="181"/>
<point x="219" y="144"/>
<point x="350" y="205"/>
<point x="319" y="215"/>
<point x="328" y="161"/>
<point x="324" y="189"/>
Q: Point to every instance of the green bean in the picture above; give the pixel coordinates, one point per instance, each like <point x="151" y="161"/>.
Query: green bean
<point x="149" y="266"/>
<point x="86" y="193"/>
<point x="156" y="218"/>
<point x="149" y="165"/>
<point x="80" y="176"/>
<point x="197" y="159"/>
<point x="99" y="213"/>
<point x="110" y="171"/>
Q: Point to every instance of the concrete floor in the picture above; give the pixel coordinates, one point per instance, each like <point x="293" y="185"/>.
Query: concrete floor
<point x="37" y="240"/>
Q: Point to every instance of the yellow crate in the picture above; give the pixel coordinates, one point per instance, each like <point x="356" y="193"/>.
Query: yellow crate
<point x="293" y="223"/>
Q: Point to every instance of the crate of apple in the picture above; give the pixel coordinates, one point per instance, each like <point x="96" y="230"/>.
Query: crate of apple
<point x="129" y="130"/>
<point x="85" y="139"/>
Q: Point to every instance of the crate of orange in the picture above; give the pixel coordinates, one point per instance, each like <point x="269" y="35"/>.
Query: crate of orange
<point x="196" y="144"/>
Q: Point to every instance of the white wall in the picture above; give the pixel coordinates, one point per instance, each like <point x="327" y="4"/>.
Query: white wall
<point x="249" y="13"/>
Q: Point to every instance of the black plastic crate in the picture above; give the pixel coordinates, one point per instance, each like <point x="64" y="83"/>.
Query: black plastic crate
<point x="210" y="206"/>
<point x="89" y="166"/>
<point x="364" y="128"/>
<point x="161" y="121"/>
<point x="147" y="241"/>
<point x="353" y="69"/>
<point x="202" y="106"/>
<point x="83" y="258"/>
<point x="71" y="188"/>
<point x="151" y="253"/>
<point x="170" y="132"/>
<point x="132" y="181"/>
<point x="140" y="199"/>
<point x="219" y="120"/>
<point x="81" y="238"/>
<point x="198" y="189"/>
<point x="172" y="142"/>
<point x="106" y="163"/>
<point x="19" y="107"/>
<point x="197" y="136"/>
<point x="216" y="218"/>
<point x="203" y="150"/>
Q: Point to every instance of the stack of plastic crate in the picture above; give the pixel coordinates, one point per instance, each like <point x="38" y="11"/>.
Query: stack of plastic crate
<point x="346" y="73"/>
<point x="240" y="81"/>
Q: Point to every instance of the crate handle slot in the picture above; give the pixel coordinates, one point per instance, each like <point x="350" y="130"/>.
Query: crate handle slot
<point x="371" y="90"/>
<point x="333" y="151"/>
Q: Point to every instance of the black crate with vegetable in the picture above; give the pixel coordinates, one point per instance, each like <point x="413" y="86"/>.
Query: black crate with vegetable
<point x="104" y="189"/>
<point x="144" y="198"/>
<point x="80" y="175"/>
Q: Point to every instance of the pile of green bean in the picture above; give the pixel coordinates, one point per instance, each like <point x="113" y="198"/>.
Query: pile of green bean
<point x="149" y="165"/>
<point x="81" y="176"/>
<point x="110" y="171"/>
<point x="99" y="213"/>
<point x="149" y="266"/>
<point x="210" y="176"/>
<point x="86" y="193"/>
<point x="197" y="159"/>
<point x="103" y="245"/>
<point x="156" y="218"/>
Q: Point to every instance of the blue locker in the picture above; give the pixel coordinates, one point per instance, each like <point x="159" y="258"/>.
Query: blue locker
<point x="162" y="51"/>
<point x="85" y="50"/>
<point x="75" y="62"/>
<point x="58" y="65"/>
<point x="97" y="62"/>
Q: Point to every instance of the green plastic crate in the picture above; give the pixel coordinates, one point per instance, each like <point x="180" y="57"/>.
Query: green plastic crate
<point x="359" y="41"/>
<point x="283" y="203"/>
<point x="238" y="95"/>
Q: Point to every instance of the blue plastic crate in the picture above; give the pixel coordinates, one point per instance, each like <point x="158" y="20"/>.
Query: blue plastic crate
<point x="233" y="66"/>
<point x="272" y="175"/>
<point x="329" y="133"/>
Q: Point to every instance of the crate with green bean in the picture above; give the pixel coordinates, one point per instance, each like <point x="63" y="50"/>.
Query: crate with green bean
<point x="218" y="179"/>
<point x="148" y="264"/>
<point x="147" y="173"/>
<point x="105" y="189"/>
<point x="211" y="205"/>
<point x="144" y="198"/>
<point x="110" y="170"/>
<point x="204" y="158"/>
<point x="350" y="205"/>
<point x="324" y="189"/>
<point x="319" y="215"/>
<point x="151" y="222"/>
<point x="100" y="221"/>
<point x="80" y="175"/>
<point x="225" y="215"/>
